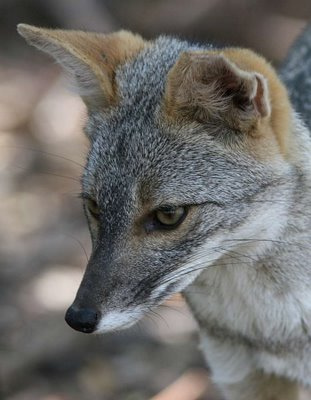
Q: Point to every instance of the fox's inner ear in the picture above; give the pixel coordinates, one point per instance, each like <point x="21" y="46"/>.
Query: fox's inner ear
<point x="90" y="58"/>
<point x="207" y="86"/>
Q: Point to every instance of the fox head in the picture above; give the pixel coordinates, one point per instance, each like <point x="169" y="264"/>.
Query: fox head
<point x="188" y="150"/>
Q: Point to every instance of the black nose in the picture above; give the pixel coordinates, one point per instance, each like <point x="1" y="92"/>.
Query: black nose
<point x="82" y="319"/>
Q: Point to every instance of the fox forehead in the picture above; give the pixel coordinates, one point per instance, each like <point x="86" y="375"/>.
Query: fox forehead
<point x="128" y="141"/>
<point x="142" y="161"/>
<point x="135" y="147"/>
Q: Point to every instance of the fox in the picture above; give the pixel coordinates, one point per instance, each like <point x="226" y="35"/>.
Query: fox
<point x="197" y="180"/>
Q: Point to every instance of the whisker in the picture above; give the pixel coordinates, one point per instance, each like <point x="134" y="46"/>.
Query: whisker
<point x="73" y="195"/>
<point x="225" y="251"/>
<point x="200" y="267"/>
<point x="45" y="153"/>
<point x="140" y="327"/>
<point x="238" y="254"/>
<point x="80" y="244"/>
<point x="276" y="241"/>
<point x="199" y="256"/>
<point x="165" y="306"/>
<point x="149" y="316"/>
<point x="51" y="173"/>
<point x="159" y="316"/>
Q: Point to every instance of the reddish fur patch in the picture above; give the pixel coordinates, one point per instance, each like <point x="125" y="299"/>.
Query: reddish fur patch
<point x="182" y="89"/>
<point x="280" y="119"/>
<point x="101" y="53"/>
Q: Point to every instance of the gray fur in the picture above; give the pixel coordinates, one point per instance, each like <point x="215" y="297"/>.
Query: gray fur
<point x="137" y="158"/>
<point x="296" y="73"/>
<point x="242" y="256"/>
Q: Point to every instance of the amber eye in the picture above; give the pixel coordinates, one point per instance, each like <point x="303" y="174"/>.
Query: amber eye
<point x="92" y="206"/>
<point x="170" y="217"/>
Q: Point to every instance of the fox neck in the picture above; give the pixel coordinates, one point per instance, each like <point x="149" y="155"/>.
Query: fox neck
<point x="265" y="262"/>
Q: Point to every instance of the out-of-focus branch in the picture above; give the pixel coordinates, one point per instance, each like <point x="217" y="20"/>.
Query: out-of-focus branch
<point x="81" y="14"/>
<point x="190" y="386"/>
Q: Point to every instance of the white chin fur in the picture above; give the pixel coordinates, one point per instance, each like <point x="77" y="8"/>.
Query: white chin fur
<point x="117" y="320"/>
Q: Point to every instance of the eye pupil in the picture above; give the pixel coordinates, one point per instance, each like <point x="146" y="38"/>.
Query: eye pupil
<point x="170" y="217"/>
<point x="93" y="208"/>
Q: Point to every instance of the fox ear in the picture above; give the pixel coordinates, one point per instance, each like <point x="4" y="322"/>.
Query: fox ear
<point x="206" y="86"/>
<point x="90" y="58"/>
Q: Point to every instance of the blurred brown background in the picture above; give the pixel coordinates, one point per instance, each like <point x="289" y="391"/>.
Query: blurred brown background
<point x="44" y="239"/>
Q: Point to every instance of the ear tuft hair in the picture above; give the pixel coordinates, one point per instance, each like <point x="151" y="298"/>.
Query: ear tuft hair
<point x="233" y="86"/>
<point x="208" y="86"/>
<point x="91" y="58"/>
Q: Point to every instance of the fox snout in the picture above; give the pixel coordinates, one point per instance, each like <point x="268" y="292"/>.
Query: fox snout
<point x="82" y="319"/>
<point x="106" y="298"/>
<point x="84" y="313"/>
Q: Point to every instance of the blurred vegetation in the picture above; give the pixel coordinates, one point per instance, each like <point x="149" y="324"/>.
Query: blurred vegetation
<point x="44" y="239"/>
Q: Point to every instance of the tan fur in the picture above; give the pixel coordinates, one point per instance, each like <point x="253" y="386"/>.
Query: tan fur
<point x="182" y="91"/>
<point x="280" y="119"/>
<point x="101" y="53"/>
